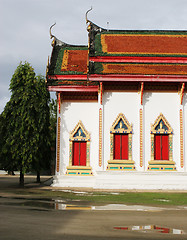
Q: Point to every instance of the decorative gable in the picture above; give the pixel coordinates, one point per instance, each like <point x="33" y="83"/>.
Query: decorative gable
<point x="79" y="133"/>
<point x="121" y="125"/>
<point x="161" y="126"/>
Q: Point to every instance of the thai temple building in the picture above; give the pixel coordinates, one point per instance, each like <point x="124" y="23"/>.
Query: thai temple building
<point x="122" y="109"/>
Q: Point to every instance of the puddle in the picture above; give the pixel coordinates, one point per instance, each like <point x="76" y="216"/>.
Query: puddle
<point x="38" y="204"/>
<point x="81" y="193"/>
<point x="108" y="207"/>
<point x="151" y="228"/>
<point x="60" y="204"/>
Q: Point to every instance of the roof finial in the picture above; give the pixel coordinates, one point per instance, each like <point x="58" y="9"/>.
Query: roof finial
<point x="107" y="26"/>
<point x="52" y="36"/>
<point x="87" y="14"/>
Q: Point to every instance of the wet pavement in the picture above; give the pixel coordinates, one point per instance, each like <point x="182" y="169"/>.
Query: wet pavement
<point x="47" y="218"/>
<point x="27" y="217"/>
<point x="59" y="204"/>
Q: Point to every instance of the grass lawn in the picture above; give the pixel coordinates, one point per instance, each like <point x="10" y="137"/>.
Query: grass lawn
<point x="139" y="198"/>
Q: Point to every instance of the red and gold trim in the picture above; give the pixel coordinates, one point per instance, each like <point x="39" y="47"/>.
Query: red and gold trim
<point x="182" y="93"/>
<point x="101" y="93"/>
<point x="137" y="77"/>
<point x="59" y="103"/>
<point x="181" y="140"/>
<point x="142" y="88"/>
<point x="139" y="59"/>
<point x="100" y="136"/>
<point x="117" y="77"/>
<point x="58" y="145"/>
<point x="141" y="137"/>
<point x="73" y="88"/>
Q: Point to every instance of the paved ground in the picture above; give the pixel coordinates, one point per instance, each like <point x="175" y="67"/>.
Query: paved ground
<point x="27" y="218"/>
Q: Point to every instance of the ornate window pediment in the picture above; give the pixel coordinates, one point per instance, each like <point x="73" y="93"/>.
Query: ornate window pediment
<point x="121" y="125"/>
<point x="121" y="145"/>
<point x="161" y="146"/>
<point x="79" y="133"/>
<point x="79" y="151"/>
<point x="161" y="126"/>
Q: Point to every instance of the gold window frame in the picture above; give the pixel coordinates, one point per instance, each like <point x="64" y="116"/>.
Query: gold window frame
<point x="79" y="170"/>
<point x="161" y="165"/>
<point x="121" y="164"/>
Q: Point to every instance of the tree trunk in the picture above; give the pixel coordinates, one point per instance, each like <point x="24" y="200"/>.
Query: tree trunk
<point x="21" y="178"/>
<point x="38" y="177"/>
<point x="11" y="173"/>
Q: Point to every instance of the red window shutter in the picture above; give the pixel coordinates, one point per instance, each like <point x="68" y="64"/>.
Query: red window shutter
<point x="117" y="146"/>
<point x="121" y="146"/>
<point x="79" y="154"/>
<point x="165" y="147"/>
<point x="75" y="161"/>
<point x="82" y="153"/>
<point x="124" y="146"/>
<point x="157" y="147"/>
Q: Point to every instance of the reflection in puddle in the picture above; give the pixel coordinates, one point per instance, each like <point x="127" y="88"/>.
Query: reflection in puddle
<point x="107" y="207"/>
<point x="60" y="204"/>
<point x="148" y="228"/>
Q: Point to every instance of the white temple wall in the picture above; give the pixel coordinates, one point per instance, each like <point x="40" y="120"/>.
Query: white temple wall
<point x="169" y="105"/>
<point x="71" y="114"/>
<point x="128" y="104"/>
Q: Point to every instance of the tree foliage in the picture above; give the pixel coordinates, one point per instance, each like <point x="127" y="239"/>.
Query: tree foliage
<point x="42" y="157"/>
<point x="53" y="121"/>
<point x="25" y="123"/>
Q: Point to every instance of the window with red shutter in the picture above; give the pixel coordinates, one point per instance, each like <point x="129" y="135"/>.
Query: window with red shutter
<point x="161" y="147"/>
<point x="121" y="146"/>
<point x="79" y="153"/>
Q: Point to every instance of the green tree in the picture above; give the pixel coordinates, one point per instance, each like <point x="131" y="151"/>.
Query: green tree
<point x="53" y="121"/>
<point x="6" y="162"/>
<point x="25" y="130"/>
<point x="43" y="156"/>
<point x="52" y="129"/>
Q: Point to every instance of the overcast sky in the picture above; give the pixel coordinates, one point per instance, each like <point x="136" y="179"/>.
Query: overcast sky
<point x="24" y="27"/>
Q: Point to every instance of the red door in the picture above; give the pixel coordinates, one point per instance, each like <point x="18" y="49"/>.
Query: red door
<point x="121" y="146"/>
<point x="79" y="154"/>
<point x="161" y="148"/>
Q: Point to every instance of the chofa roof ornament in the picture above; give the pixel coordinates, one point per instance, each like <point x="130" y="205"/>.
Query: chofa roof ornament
<point x="51" y="35"/>
<point x="56" y="41"/>
<point x="88" y="21"/>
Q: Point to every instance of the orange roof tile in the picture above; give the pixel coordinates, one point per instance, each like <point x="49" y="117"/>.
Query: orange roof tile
<point x="144" y="44"/>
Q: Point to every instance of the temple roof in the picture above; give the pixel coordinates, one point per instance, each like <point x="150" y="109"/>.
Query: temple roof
<point x="158" y="43"/>
<point x="68" y="59"/>
<point x="120" y="52"/>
